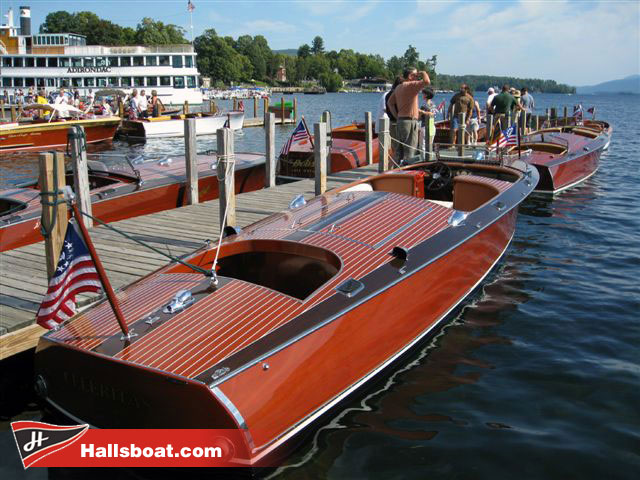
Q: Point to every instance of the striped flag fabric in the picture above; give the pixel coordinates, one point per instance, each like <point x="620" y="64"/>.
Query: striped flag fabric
<point x="300" y="133"/>
<point x="506" y="138"/>
<point x="440" y="107"/>
<point x="75" y="273"/>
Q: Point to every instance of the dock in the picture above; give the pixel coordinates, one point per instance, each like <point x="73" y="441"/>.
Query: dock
<point x="23" y="282"/>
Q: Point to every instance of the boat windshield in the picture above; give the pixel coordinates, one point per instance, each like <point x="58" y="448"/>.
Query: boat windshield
<point x="9" y="206"/>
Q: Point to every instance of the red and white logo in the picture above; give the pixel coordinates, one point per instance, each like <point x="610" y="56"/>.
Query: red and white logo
<point x="36" y="440"/>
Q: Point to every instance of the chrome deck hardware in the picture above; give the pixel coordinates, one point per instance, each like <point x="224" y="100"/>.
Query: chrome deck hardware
<point x="181" y="300"/>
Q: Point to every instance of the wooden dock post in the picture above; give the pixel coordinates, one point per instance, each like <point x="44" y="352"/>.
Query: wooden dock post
<point x="565" y="115"/>
<point x="120" y="107"/>
<point x="452" y="138"/>
<point x="553" y="113"/>
<point x="81" y="187"/>
<point x="212" y="106"/>
<point x="534" y="122"/>
<point x="255" y="107"/>
<point x="282" y="111"/>
<point x="429" y="131"/>
<point x="191" y="157"/>
<point x="462" y="132"/>
<point x="320" y="154"/>
<point x="385" y="140"/>
<point x="265" y="105"/>
<point x="523" y="123"/>
<point x="489" y="129"/>
<point x="226" y="175"/>
<point x="54" y="216"/>
<point x="13" y="113"/>
<point x="270" y="149"/>
<point x="185" y="107"/>
<point x="2" y="105"/>
<point x="295" y="110"/>
<point x="235" y="104"/>
<point x="368" y="138"/>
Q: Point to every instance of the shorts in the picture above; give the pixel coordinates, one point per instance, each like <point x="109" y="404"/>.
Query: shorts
<point x="455" y="123"/>
<point x="475" y="125"/>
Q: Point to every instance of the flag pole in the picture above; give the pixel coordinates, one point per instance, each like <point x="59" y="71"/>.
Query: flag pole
<point x="308" y="132"/>
<point x="106" y="285"/>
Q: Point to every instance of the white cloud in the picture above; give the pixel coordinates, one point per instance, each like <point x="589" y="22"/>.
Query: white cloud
<point x="267" y="26"/>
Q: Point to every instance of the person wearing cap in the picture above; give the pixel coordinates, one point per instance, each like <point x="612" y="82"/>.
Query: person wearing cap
<point x="490" y="94"/>
<point x="428" y="110"/>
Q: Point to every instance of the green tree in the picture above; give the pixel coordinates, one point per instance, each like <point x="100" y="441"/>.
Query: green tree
<point x="317" y="46"/>
<point x="219" y="61"/>
<point x="347" y="64"/>
<point x="150" y="32"/>
<point x="395" y="65"/>
<point x="304" y="51"/>
<point x="411" y="57"/>
<point x="331" y="81"/>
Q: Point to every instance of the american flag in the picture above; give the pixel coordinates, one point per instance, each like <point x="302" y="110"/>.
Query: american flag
<point x="300" y="133"/>
<point x="440" y="107"/>
<point x="75" y="273"/>
<point x="577" y="111"/>
<point x="591" y="110"/>
<point x="506" y="138"/>
<point x="190" y="6"/>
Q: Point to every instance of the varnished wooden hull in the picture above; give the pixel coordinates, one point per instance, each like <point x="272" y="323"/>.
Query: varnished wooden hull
<point x="43" y="136"/>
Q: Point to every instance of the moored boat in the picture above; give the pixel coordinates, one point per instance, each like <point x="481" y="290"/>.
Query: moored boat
<point x="43" y="135"/>
<point x="119" y="192"/>
<point x="348" y="150"/>
<point x="309" y="305"/>
<point x="564" y="156"/>
<point x="443" y="132"/>
<point x="173" y="125"/>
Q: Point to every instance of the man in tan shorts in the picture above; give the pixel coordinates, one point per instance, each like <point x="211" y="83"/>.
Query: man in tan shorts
<point x="403" y="104"/>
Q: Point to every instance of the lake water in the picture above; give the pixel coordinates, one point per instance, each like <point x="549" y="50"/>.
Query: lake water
<point x="537" y="377"/>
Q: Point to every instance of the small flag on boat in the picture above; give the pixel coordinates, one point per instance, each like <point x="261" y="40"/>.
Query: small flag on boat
<point x="591" y="110"/>
<point x="577" y="111"/>
<point x="190" y="6"/>
<point x="300" y="133"/>
<point x="75" y="273"/>
<point x="440" y="107"/>
<point x="510" y="136"/>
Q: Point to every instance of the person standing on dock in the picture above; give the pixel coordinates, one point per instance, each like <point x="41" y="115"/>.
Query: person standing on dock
<point x="461" y="102"/>
<point x="403" y="104"/>
<point x="384" y="112"/>
<point x="502" y="104"/>
<point x="143" y="104"/>
<point x="528" y="104"/>
<point x="491" y="93"/>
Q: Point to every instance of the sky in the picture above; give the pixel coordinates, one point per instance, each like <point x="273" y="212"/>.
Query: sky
<point x="574" y="42"/>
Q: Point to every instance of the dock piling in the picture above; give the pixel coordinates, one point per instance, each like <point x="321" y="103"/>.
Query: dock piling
<point x="282" y="109"/>
<point x="534" y="120"/>
<point x="565" y="115"/>
<point x="81" y="188"/>
<point x="385" y="140"/>
<point x="270" y="149"/>
<point x="13" y="113"/>
<point x="462" y="132"/>
<point x="295" y="110"/>
<point x="320" y="154"/>
<point x="429" y="132"/>
<point x="54" y="208"/>
<point x="2" y="105"/>
<point x="489" y="128"/>
<point x="368" y="137"/>
<point x="255" y="107"/>
<point x="191" y="158"/>
<point x="185" y="107"/>
<point x="226" y="173"/>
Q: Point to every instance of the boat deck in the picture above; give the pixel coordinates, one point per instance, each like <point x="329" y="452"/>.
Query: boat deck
<point x="24" y="281"/>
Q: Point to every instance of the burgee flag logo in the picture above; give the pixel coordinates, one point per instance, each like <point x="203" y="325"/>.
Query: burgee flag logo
<point x="36" y="440"/>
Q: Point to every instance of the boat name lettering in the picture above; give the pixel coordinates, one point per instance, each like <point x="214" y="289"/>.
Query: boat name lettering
<point x="101" y="390"/>
<point x="89" y="70"/>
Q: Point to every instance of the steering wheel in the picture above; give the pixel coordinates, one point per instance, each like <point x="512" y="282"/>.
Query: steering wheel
<point x="440" y="177"/>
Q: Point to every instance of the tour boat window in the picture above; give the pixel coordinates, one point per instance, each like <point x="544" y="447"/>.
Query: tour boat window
<point x="53" y="61"/>
<point x="191" y="82"/>
<point x="125" y="61"/>
<point x="114" y="82"/>
<point x="101" y="82"/>
<point x="151" y="61"/>
<point x="163" y="60"/>
<point x="76" y="82"/>
<point x="112" y="62"/>
<point x="29" y="62"/>
<point x="48" y="40"/>
<point x="41" y="62"/>
<point x="126" y="81"/>
<point x="178" y="82"/>
<point x="6" y="81"/>
<point x="188" y="61"/>
<point x="138" y="61"/>
<point x="152" y="81"/>
<point x="7" y="61"/>
<point x="18" y="62"/>
<point x="29" y="82"/>
<point x="51" y="82"/>
<point x="138" y="81"/>
<point x="89" y="62"/>
<point x="177" y="61"/>
<point x="165" y="81"/>
<point x="101" y="62"/>
<point x="89" y="82"/>
<point x="76" y="62"/>
<point x="64" y="62"/>
<point x="18" y="82"/>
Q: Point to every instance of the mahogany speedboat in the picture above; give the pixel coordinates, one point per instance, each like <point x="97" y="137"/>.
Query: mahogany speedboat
<point x="310" y="304"/>
<point x="173" y="125"/>
<point x="564" y="156"/>
<point x="119" y="192"/>
<point x="348" y="150"/>
<point x="43" y="135"/>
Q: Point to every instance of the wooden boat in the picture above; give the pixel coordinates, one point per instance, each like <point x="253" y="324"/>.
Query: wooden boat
<point x="348" y="150"/>
<point x="119" y="192"/>
<point x="564" y="156"/>
<point x="311" y="304"/>
<point x="173" y="125"/>
<point x="43" y="135"/>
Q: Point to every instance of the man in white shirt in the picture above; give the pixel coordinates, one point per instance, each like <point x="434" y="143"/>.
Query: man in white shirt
<point x="491" y="93"/>
<point x="143" y="104"/>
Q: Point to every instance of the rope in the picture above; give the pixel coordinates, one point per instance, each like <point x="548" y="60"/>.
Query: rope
<point x="195" y="268"/>
<point x="214" y="277"/>
<point x="47" y="230"/>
